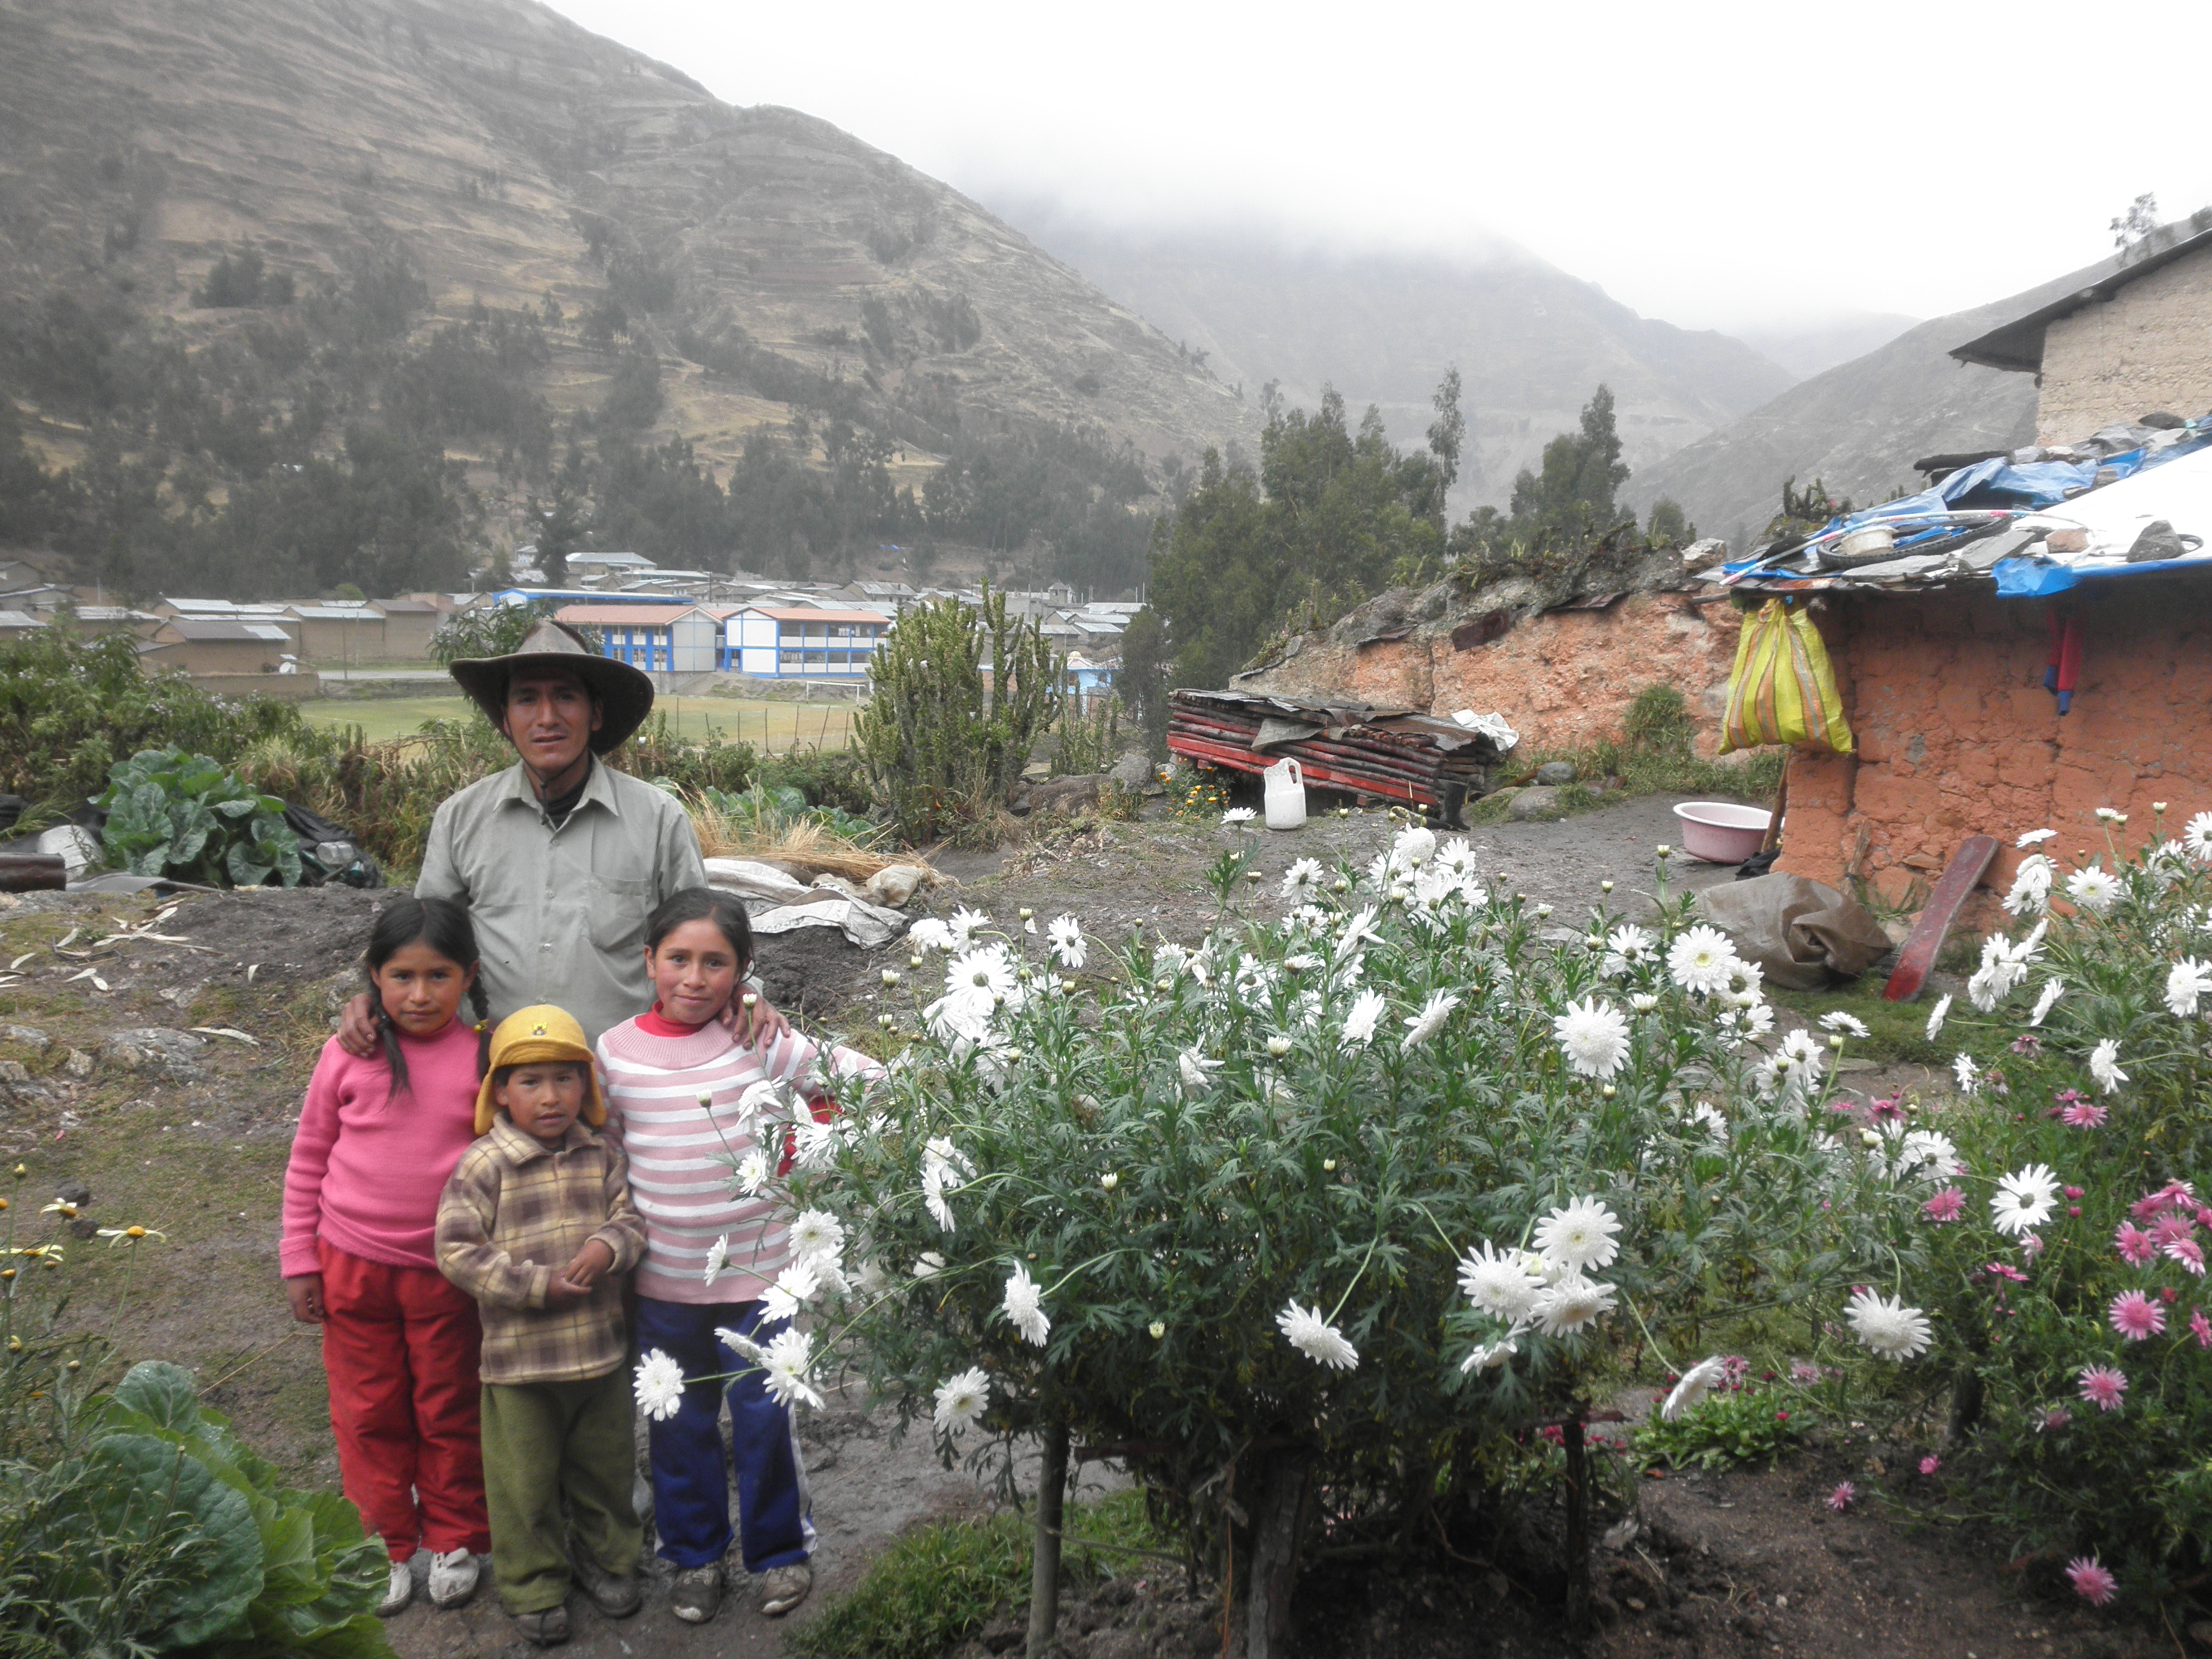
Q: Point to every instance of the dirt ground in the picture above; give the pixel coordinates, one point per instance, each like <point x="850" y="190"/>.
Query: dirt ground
<point x="188" y="1133"/>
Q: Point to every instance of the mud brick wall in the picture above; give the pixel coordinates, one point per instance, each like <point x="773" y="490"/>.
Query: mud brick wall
<point x="2149" y="347"/>
<point x="1957" y="736"/>
<point x="1563" y="678"/>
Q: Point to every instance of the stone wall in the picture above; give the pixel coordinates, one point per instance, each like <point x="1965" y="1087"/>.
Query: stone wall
<point x="2149" y="347"/>
<point x="1957" y="736"/>
<point x="1563" y="678"/>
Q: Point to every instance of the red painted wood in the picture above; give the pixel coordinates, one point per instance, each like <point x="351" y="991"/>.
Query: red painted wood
<point x="1321" y="775"/>
<point x="1927" y="936"/>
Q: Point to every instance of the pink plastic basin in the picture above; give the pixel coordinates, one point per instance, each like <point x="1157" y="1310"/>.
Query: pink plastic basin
<point x="1721" y="832"/>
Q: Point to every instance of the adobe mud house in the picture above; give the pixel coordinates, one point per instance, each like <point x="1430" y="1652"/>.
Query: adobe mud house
<point x="1941" y="654"/>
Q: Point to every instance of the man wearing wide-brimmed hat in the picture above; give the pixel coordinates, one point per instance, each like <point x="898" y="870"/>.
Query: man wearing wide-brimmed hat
<point x="560" y="857"/>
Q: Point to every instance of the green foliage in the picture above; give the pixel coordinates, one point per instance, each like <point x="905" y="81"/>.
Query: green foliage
<point x="1323" y="524"/>
<point x="942" y="741"/>
<point x="173" y="813"/>
<point x="243" y="280"/>
<point x="1571" y="499"/>
<point x="1142" y="683"/>
<point x="70" y="708"/>
<point x="492" y="630"/>
<point x="939" y="1583"/>
<point x="827" y="777"/>
<point x="1737" y="1425"/>
<point x="767" y="811"/>
<point x="1085" y="742"/>
<point x="1668" y="526"/>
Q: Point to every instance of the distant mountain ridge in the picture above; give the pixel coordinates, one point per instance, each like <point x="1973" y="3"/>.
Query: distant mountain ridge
<point x="1531" y="342"/>
<point x="1860" y="425"/>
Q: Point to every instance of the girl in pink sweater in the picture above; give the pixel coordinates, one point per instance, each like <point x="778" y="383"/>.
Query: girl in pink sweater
<point x="377" y="1139"/>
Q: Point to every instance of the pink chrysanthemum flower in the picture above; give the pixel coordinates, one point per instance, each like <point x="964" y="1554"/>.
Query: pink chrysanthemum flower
<point x="2092" y="1579"/>
<point x="2102" y="1386"/>
<point x="1843" y="1498"/>
<point x="1804" y="1370"/>
<point x="2135" y="1245"/>
<point x="2054" y="1420"/>
<point x="2200" y="1328"/>
<point x="2189" y="1253"/>
<point x="1886" y="1109"/>
<point x="1930" y="1463"/>
<point x="2174" y="1224"/>
<point x="2083" y="1115"/>
<point x="2136" y="1316"/>
<point x="1945" y="1205"/>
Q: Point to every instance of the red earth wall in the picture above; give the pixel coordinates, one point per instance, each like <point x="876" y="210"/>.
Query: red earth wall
<point x="1563" y="678"/>
<point x="1957" y="736"/>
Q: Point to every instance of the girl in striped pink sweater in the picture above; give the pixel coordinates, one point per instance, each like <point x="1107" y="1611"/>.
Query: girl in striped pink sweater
<point x="712" y="1252"/>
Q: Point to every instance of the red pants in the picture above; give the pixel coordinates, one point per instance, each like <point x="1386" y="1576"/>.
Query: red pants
<point x="400" y="1345"/>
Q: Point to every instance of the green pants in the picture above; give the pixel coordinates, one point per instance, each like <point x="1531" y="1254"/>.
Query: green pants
<point x="558" y="1456"/>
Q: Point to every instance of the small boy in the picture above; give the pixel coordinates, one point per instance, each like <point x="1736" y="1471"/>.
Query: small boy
<point x="536" y="1225"/>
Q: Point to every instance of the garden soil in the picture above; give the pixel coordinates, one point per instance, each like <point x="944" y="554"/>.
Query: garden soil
<point x="153" y="1053"/>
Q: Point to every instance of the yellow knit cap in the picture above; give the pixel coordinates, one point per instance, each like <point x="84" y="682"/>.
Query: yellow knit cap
<point x="532" y="1036"/>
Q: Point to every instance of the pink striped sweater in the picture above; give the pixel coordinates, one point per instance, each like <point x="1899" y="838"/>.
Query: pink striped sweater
<point x="681" y="1159"/>
<point x="367" y="1170"/>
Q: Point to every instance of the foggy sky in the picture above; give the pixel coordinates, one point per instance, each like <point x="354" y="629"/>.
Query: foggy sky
<point x="1719" y="166"/>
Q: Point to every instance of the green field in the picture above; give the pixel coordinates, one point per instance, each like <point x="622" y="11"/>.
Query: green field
<point x="774" y="727"/>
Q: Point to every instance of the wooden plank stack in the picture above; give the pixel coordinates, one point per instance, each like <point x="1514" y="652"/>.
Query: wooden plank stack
<point x="1392" y="753"/>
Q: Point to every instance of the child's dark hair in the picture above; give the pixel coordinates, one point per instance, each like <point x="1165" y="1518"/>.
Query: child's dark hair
<point x="444" y="926"/>
<point x="725" y="910"/>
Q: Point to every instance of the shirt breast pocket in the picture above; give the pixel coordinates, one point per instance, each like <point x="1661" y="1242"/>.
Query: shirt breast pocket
<point x="620" y="905"/>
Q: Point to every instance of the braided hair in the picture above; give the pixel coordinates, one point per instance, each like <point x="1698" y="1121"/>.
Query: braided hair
<point x="444" y="925"/>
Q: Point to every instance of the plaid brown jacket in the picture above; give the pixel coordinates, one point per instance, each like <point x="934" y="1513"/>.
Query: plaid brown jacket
<point x="514" y="1214"/>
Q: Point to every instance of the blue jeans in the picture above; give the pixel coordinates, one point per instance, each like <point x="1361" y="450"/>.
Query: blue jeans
<point x="690" y="1491"/>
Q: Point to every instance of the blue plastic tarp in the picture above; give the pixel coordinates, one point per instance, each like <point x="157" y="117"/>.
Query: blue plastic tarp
<point x="2036" y="579"/>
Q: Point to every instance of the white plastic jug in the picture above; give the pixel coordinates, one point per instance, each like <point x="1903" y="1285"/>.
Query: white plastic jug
<point x="1286" y="795"/>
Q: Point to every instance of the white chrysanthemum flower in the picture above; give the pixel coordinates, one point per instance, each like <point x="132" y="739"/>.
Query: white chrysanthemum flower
<point x="2186" y="982"/>
<point x="813" y="1144"/>
<point x="785" y="1364"/>
<point x="1848" y="1024"/>
<point x="1968" y="1074"/>
<point x="1366" y="1009"/>
<point x="1377" y="874"/>
<point x="793" y="1286"/>
<point x="1594" y="1036"/>
<point x="1694" y="1385"/>
<point x="1802" y="1048"/>
<point x="1489" y="1356"/>
<point x="1643" y="1002"/>
<point x="1192" y="1066"/>
<point x="2094" y="889"/>
<point x="817" y="1235"/>
<point x="1887" y="1326"/>
<point x="1706" y="1116"/>
<point x="1746" y="984"/>
<point x="928" y="1265"/>
<point x="1579" y="1235"/>
<point x="1632" y="944"/>
<point x="1928" y="1153"/>
<point x="1936" y="1016"/>
<point x="752" y="1173"/>
<point x="1456" y="856"/>
<point x="1571" y="1306"/>
<point x="1359" y="931"/>
<point x="1236" y="815"/>
<point x="2024" y="1200"/>
<point x="2052" y="989"/>
<point x="1700" y="958"/>
<point x="718" y="1258"/>
<point x="1749" y="1025"/>
<point x="1066" y="934"/>
<point x="1169" y="960"/>
<point x="658" y="1385"/>
<point x="1426" y="1024"/>
<point x="2031" y="885"/>
<point x="2104" y="1066"/>
<point x="1316" y="1338"/>
<point x="2196" y="835"/>
<point x="1411" y="848"/>
<point x="933" y="1185"/>
<point x="1499" y="1282"/>
<point x="962" y="1401"/>
<point x="963" y="925"/>
<point x="871" y="1279"/>
<point x="988" y="973"/>
<point x="1025" y="1307"/>
<point x="1302" y="879"/>
<point x="2035" y="837"/>
<point x="964" y="1017"/>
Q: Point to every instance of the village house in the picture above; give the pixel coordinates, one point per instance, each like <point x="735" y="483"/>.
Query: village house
<point x="661" y="639"/>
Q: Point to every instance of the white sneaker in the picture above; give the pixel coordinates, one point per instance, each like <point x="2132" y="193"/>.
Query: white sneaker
<point x="399" y="1592"/>
<point x="452" y="1578"/>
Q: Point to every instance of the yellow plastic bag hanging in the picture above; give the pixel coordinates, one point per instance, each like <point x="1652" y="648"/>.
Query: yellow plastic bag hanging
<point x="1782" y="689"/>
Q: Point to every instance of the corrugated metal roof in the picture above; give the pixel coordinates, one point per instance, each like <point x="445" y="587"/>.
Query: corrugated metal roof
<point x="2018" y="344"/>
<point x="332" y="613"/>
<point x="18" y="619"/>
<point x="637" y="615"/>
<point x="808" y="615"/>
<point x="195" y="630"/>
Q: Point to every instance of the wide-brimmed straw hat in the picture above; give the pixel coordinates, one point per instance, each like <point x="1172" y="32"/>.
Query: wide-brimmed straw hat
<point x="535" y="1036"/>
<point x="625" y="694"/>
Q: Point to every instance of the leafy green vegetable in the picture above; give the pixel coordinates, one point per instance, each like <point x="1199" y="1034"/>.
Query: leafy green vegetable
<point x="172" y="813"/>
<point x="1754" y="1425"/>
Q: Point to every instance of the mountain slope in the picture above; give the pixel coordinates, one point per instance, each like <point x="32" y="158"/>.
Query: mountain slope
<point x="514" y="158"/>
<point x="1860" y="425"/>
<point x="1531" y="342"/>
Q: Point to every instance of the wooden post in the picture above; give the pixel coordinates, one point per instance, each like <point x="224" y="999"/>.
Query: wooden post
<point x="1044" y="1551"/>
<point x="1781" y="805"/>
<point x="1273" y="1572"/>
<point x="1578" y="1550"/>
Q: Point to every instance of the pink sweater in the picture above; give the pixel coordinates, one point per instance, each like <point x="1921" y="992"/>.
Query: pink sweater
<point x="367" y="1171"/>
<point x="680" y="1159"/>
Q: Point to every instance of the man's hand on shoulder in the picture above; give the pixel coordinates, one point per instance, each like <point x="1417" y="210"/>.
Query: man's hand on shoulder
<point x="754" y="1022"/>
<point x="357" y="1028"/>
